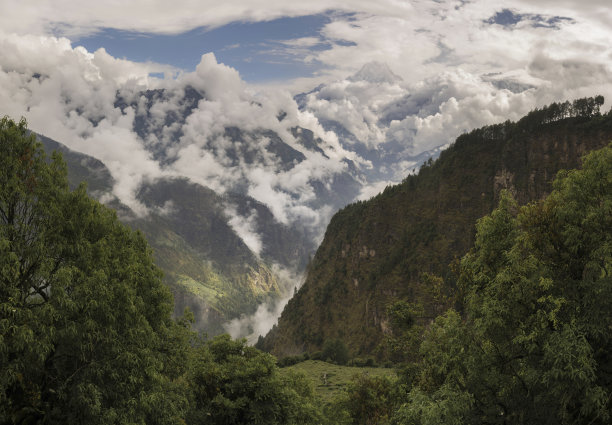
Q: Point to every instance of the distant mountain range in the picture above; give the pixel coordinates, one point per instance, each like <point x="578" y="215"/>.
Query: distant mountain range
<point x="233" y="212"/>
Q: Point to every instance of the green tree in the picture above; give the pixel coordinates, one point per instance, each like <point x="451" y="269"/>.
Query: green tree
<point x="85" y="328"/>
<point x="232" y="383"/>
<point x="335" y="350"/>
<point x="401" y="344"/>
<point x="535" y="344"/>
<point x="368" y="400"/>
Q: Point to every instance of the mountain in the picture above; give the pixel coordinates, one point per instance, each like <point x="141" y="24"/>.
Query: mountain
<point x="387" y="249"/>
<point x="276" y="164"/>
<point x="376" y="72"/>
<point x="206" y="263"/>
<point x="233" y="188"/>
<point x="228" y="207"/>
<point x="392" y="124"/>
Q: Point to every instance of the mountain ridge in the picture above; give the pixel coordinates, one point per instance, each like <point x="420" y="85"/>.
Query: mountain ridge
<point x="206" y="263"/>
<point x="375" y="252"/>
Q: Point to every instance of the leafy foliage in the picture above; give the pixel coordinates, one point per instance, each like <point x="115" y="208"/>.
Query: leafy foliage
<point x="535" y="345"/>
<point x="370" y="400"/>
<point x="86" y="334"/>
<point x="335" y="350"/>
<point x="402" y="343"/>
<point x="232" y="383"/>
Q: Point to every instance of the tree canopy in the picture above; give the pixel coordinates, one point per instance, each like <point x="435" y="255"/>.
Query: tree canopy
<point x="534" y="345"/>
<point x="86" y="334"/>
<point x="84" y="317"/>
<point x="232" y="383"/>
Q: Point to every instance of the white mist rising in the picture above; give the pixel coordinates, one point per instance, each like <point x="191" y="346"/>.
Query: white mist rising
<point x="267" y="314"/>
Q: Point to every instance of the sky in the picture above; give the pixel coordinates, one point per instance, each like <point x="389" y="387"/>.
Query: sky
<point x="279" y="41"/>
<point x="258" y="50"/>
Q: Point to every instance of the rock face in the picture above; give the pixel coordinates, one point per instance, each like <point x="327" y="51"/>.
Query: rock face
<point x="375" y="252"/>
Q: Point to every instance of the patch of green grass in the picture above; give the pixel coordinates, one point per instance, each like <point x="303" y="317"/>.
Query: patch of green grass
<point x="329" y="380"/>
<point x="203" y="291"/>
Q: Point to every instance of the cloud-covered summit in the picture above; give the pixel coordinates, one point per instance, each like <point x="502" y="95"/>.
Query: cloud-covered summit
<point x="207" y="126"/>
<point x="389" y="120"/>
<point x="375" y="72"/>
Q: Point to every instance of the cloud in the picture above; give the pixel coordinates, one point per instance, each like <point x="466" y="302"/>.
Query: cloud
<point x="267" y="314"/>
<point x="368" y="191"/>
<point x="245" y="228"/>
<point x="220" y="82"/>
<point x="207" y="125"/>
<point x="447" y="55"/>
<point x="71" y="17"/>
<point x="302" y="42"/>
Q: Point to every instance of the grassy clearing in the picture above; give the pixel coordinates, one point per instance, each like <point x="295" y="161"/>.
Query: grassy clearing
<point x="206" y="292"/>
<point x="330" y="379"/>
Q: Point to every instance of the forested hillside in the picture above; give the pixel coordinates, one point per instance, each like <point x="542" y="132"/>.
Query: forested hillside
<point x="400" y="246"/>
<point x="206" y="264"/>
<point x="86" y="334"/>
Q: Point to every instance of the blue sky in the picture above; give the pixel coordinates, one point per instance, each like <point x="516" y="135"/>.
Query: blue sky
<point x="255" y="49"/>
<point x="300" y="45"/>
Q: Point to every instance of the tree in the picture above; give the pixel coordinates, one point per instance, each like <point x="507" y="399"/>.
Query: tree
<point x="401" y="344"/>
<point x="368" y="400"/>
<point x="335" y="350"/>
<point x="534" y="345"/>
<point x="232" y="383"/>
<point x="85" y="328"/>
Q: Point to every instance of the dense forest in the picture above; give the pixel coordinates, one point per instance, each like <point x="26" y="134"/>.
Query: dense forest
<point x="87" y="337"/>
<point x="86" y="330"/>
<point x="404" y="245"/>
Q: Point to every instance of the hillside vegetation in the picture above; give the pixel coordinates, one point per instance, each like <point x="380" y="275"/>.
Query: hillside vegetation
<point x="207" y="266"/>
<point x="401" y="245"/>
<point x="86" y="334"/>
<point x="331" y="380"/>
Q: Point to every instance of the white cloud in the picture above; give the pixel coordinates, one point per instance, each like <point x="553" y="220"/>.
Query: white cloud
<point x="246" y="228"/>
<point x="448" y="54"/>
<point x="220" y="82"/>
<point x="71" y="17"/>
<point x="70" y="95"/>
<point x="369" y="191"/>
<point x="267" y="314"/>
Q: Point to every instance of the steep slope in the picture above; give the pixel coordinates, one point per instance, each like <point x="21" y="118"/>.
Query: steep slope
<point x="206" y="263"/>
<point x="209" y="267"/>
<point x="375" y="252"/>
<point x="82" y="168"/>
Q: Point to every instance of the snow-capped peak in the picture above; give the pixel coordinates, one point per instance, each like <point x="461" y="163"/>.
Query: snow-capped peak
<point x="376" y="72"/>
